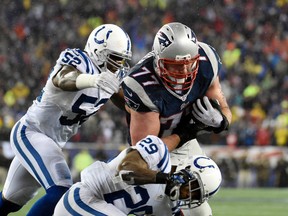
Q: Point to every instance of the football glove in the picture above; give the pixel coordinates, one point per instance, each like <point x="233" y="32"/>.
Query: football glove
<point x="107" y="81"/>
<point x="187" y="129"/>
<point x="208" y="112"/>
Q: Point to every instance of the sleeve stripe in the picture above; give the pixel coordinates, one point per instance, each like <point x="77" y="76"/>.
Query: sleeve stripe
<point x="86" y="61"/>
<point x="165" y="162"/>
<point x="213" y="57"/>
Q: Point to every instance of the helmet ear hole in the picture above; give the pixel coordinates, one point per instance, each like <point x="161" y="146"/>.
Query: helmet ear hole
<point x="173" y="193"/>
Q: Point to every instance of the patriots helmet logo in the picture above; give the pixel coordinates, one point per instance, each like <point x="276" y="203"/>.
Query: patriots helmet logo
<point x="163" y="41"/>
<point x="193" y="37"/>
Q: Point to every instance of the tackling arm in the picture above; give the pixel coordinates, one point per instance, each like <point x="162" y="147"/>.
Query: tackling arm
<point x="70" y="79"/>
<point x="118" y="99"/>
<point x="134" y="170"/>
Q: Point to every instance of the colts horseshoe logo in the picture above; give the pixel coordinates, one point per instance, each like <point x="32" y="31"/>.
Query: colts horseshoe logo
<point x="101" y="41"/>
<point x="197" y="163"/>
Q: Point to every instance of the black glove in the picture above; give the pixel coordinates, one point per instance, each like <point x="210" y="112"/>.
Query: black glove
<point x="187" y="129"/>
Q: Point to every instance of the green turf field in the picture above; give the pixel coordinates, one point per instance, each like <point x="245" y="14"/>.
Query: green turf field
<point x="237" y="202"/>
<point x="250" y="202"/>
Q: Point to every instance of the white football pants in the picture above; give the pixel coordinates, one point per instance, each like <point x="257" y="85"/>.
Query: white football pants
<point x="38" y="161"/>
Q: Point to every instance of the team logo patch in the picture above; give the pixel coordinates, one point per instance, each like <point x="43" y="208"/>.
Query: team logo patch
<point x="163" y="41"/>
<point x="131" y="103"/>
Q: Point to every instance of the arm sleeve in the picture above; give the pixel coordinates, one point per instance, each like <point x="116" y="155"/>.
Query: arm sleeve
<point x="133" y="101"/>
<point x="213" y="57"/>
<point x="155" y="153"/>
<point x="77" y="59"/>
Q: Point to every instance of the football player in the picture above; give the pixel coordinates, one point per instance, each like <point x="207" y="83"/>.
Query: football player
<point x="138" y="182"/>
<point x="176" y="82"/>
<point x="78" y="85"/>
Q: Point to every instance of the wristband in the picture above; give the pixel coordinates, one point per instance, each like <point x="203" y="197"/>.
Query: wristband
<point x="162" y="178"/>
<point x="223" y="126"/>
<point x="85" y="81"/>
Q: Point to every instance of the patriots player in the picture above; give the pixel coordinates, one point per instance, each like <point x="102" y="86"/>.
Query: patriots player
<point x="79" y="84"/>
<point x="174" y="83"/>
<point x="138" y="182"/>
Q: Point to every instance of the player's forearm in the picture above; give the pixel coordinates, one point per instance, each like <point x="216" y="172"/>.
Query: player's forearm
<point x="135" y="174"/>
<point x="134" y="170"/>
<point x="139" y="177"/>
<point x="118" y="100"/>
<point x="227" y="112"/>
<point x="171" y="141"/>
<point x="215" y="92"/>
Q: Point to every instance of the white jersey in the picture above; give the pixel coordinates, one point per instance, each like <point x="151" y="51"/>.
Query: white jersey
<point x="58" y="113"/>
<point x="101" y="181"/>
<point x="100" y="178"/>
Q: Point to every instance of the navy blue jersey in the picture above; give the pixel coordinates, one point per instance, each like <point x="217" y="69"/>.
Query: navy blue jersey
<point x="145" y="92"/>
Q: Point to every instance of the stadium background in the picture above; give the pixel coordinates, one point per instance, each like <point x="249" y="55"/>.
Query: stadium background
<point x="251" y="37"/>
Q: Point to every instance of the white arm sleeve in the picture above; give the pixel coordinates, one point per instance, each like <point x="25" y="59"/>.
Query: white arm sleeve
<point x="86" y="80"/>
<point x="155" y="153"/>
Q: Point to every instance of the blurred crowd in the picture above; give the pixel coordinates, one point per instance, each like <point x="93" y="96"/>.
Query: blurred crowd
<point x="251" y="37"/>
<point x="260" y="171"/>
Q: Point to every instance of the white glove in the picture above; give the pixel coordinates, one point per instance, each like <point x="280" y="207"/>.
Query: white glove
<point x="206" y="113"/>
<point x="108" y="82"/>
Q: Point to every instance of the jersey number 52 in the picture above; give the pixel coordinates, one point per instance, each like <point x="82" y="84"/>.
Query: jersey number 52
<point x="80" y="114"/>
